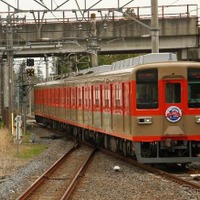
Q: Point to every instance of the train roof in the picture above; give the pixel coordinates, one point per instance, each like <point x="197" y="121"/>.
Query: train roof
<point x="119" y="67"/>
<point x="127" y="65"/>
<point x="130" y="63"/>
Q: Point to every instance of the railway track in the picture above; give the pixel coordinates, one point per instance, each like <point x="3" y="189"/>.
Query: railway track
<point x="177" y="178"/>
<point x="169" y="176"/>
<point x="59" y="180"/>
<point x="191" y="175"/>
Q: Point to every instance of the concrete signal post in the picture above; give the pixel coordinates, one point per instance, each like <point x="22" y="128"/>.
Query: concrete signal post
<point x="18" y="131"/>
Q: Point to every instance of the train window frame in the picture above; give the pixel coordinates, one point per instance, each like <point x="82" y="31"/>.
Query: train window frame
<point x="80" y="96"/>
<point x="107" y="96"/>
<point x="147" y="89"/>
<point x="48" y="96"/>
<point x="73" y="96"/>
<point x="62" y="99"/>
<point x="193" y="87"/>
<point x="173" y="92"/>
<point x="86" y="96"/>
<point x="45" y="97"/>
<point x="54" y="97"/>
<point x="68" y="95"/>
<point x="57" y="97"/>
<point x="97" y="96"/>
<point x="118" y="95"/>
<point x="90" y="96"/>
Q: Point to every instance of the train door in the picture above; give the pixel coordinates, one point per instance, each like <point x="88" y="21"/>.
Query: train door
<point x="173" y="107"/>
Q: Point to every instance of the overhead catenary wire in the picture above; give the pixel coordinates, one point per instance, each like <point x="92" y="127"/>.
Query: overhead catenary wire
<point x="43" y="4"/>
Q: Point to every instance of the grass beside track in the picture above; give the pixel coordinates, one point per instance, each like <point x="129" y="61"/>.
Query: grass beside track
<point x="14" y="155"/>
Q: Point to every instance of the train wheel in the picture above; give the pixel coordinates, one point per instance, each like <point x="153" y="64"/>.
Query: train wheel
<point x="86" y="135"/>
<point x="106" y="139"/>
<point x="97" y="139"/>
<point x="75" y="132"/>
<point x="129" y="147"/>
<point x="124" y="148"/>
<point x="113" y="144"/>
<point x="83" y="134"/>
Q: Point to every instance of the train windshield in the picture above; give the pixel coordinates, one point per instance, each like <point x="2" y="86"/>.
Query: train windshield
<point x="147" y="89"/>
<point x="193" y="88"/>
<point x="173" y="93"/>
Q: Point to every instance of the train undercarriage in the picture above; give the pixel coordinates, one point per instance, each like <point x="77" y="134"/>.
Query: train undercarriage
<point x="166" y="151"/>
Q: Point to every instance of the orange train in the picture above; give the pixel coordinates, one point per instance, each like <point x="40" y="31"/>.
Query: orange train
<point x="147" y="107"/>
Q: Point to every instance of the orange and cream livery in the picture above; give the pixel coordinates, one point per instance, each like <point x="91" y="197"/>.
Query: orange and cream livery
<point x="147" y="107"/>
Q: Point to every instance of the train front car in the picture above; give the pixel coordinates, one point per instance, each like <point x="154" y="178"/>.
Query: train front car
<point x="167" y="112"/>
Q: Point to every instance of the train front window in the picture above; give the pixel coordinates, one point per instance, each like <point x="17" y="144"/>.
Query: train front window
<point x="173" y="93"/>
<point x="147" y="89"/>
<point x="193" y="88"/>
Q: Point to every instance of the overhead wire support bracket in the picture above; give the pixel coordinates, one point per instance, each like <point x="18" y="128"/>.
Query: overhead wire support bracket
<point x="42" y="4"/>
<point x="86" y="10"/>
<point x="60" y="5"/>
<point x="9" y="5"/>
<point x="38" y="22"/>
<point x="120" y="8"/>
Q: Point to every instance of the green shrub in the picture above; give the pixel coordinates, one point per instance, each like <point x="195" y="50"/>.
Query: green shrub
<point x="1" y="124"/>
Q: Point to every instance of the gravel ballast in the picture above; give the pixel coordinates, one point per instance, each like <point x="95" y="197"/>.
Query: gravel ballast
<point x="101" y="181"/>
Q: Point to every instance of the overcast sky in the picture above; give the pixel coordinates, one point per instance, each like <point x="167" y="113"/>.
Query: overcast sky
<point x="71" y="4"/>
<point x="75" y="4"/>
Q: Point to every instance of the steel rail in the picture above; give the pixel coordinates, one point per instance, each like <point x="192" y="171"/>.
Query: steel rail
<point x="82" y="169"/>
<point x="41" y="179"/>
<point x="153" y="170"/>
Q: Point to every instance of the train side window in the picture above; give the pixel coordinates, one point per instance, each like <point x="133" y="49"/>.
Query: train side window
<point x="90" y="96"/>
<point x="80" y="96"/>
<point x="68" y="96"/>
<point x="118" y="95"/>
<point x="194" y="88"/>
<point x="106" y="102"/>
<point x="61" y="97"/>
<point x="97" y="96"/>
<point x="147" y="89"/>
<point x="173" y="93"/>
<point x="86" y="97"/>
<point x="73" y="96"/>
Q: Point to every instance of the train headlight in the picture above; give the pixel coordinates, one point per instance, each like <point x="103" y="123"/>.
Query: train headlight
<point x="144" y="120"/>
<point x="197" y="119"/>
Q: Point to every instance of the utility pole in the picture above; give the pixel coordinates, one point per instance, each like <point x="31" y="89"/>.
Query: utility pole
<point x="9" y="49"/>
<point x="47" y="67"/>
<point x="1" y="87"/>
<point x="154" y="27"/>
<point x="93" y="47"/>
<point x="8" y="29"/>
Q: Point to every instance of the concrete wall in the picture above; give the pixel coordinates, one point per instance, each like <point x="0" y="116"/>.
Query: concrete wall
<point x="121" y="35"/>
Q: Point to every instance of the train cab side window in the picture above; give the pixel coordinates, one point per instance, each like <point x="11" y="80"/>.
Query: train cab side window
<point x="106" y="102"/>
<point x="194" y="88"/>
<point x="80" y="96"/>
<point x="173" y="93"/>
<point x="97" y="96"/>
<point x="147" y="89"/>
<point x="118" y="96"/>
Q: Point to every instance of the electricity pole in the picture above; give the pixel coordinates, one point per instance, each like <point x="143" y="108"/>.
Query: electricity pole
<point x="9" y="49"/>
<point x="9" y="28"/>
<point x="93" y="46"/>
<point x="154" y="27"/>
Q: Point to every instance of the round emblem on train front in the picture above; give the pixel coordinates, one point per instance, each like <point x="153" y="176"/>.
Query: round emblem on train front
<point x="173" y="114"/>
